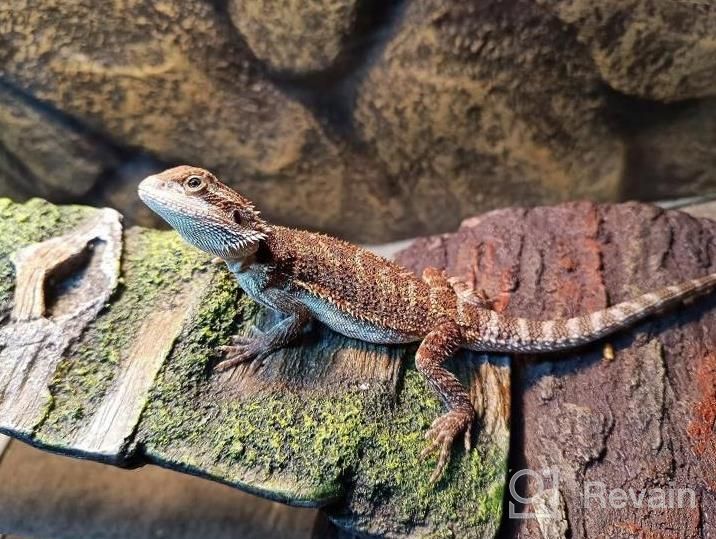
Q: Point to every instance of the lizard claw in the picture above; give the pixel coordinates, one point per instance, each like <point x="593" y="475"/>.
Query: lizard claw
<point x="242" y="350"/>
<point x="608" y="352"/>
<point x="441" y="436"/>
<point x="239" y="340"/>
<point x="254" y="333"/>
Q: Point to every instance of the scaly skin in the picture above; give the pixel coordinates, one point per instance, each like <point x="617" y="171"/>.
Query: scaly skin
<point x="305" y="275"/>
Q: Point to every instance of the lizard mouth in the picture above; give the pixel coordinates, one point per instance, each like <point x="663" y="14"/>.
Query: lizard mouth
<point x="149" y="187"/>
<point x="153" y="192"/>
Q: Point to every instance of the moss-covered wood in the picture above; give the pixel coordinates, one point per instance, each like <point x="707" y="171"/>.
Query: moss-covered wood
<point x="327" y="421"/>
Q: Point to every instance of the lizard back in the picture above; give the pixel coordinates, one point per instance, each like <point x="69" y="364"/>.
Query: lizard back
<point x="354" y="280"/>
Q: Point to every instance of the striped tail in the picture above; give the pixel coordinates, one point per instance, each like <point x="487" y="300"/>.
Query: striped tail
<point x="494" y="332"/>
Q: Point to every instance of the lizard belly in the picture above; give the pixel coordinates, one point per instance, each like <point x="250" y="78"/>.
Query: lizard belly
<point x="253" y="284"/>
<point x="350" y="326"/>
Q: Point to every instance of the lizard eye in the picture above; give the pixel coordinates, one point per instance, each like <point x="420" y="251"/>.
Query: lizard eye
<point x="194" y="183"/>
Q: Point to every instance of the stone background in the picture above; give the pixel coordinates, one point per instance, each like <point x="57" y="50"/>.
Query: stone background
<point x="372" y="119"/>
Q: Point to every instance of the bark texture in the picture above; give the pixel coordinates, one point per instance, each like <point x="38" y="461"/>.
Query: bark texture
<point x="374" y="120"/>
<point x="643" y="421"/>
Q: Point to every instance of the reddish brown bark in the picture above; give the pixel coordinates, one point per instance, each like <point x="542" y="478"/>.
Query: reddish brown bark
<point x="642" y="421"/>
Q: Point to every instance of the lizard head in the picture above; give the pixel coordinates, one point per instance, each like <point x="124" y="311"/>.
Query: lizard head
<point x="207" y="213"/>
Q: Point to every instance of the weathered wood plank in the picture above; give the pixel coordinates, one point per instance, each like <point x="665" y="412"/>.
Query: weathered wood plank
<point x="326" y="420"/>
<point x="117" y="416"/>
<point x="34" y="340"/>
<point x="329" y="419"/>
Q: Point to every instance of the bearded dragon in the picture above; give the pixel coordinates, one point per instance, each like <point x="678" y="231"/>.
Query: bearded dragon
<point x="306" y="275"/>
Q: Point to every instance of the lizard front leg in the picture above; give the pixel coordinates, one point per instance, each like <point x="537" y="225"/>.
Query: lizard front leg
<point x="437" y="347"/>
<point x="261" y="344"/>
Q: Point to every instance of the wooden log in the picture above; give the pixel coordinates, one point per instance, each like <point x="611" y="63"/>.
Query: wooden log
<point x="331" y="420"/>
<point x="328" y="420"/>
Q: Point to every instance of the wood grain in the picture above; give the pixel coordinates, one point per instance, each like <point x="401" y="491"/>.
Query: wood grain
<point x="38" y="333"/>
<point x="107" y="433"/>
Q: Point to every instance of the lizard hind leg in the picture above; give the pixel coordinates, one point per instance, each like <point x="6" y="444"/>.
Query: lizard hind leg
<point x="437" y="347"/>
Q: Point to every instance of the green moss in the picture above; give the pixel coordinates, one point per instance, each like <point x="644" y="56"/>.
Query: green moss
<point x="23" y="224"/>
<point x="468" y="498"/>
<point x="360" y="446"/>
<point x="173" y="413"/>
<point x="308" y="447"/>
<point x="154" y="267"/>
<point x="309" y="442"/>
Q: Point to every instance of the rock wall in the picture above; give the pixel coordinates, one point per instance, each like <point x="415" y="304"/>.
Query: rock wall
<point x="374" y="120"/>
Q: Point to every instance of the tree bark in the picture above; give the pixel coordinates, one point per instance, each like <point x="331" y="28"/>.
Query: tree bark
<point x="641" y="424"/>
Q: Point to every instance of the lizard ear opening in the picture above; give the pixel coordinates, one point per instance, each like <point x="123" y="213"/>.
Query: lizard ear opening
<point x="236" y="216"/>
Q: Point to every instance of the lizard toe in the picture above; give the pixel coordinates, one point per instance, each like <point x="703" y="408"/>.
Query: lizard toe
<point x="239" y="340"/>
<point x="253" y="334"/>
<point x="225" y="365"/>
<point x="442" y="435"/>
<point x="236" y="354"/>
<point x="443" y="459"/>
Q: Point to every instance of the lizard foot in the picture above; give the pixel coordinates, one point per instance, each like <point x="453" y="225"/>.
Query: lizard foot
<point x="441" y="437"/>
<point x="243" y="348"/>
